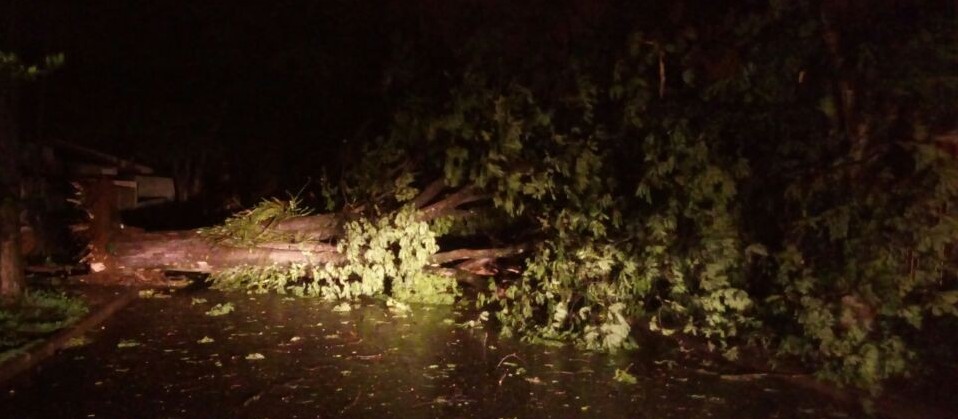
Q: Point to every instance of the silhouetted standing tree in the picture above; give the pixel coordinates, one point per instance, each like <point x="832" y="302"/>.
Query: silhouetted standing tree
<point x="12" y="72"/>
<point x="11" y="262"/>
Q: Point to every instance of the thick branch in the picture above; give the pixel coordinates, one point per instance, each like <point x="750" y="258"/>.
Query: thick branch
<point x="428" y="194"/>
<point x="460" y="197"/>
<point x="460" y="254"/>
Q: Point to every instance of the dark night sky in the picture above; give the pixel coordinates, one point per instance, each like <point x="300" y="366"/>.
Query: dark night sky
<point x="289" y="72"/>
<point x="272" y="86"/>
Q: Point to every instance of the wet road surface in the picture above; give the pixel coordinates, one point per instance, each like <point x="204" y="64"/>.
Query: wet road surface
<point x="281" y="357"/>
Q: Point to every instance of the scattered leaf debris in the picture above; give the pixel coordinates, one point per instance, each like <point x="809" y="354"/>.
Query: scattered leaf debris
<point x="221" y="309"/>
<point x="128" y="343"/>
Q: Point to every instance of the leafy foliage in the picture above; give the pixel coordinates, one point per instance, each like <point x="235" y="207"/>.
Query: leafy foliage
<point x="391" y="252"/>
<point x="386" y="256"/>
<point x="722" y="189"/>
<point x="761" y="174"/>
<point x="12" y="68"/>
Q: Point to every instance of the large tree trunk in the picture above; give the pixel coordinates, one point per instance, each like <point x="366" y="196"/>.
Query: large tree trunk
<point x="187" y="251"/>
<point x="11" y="257"/>
<point x="130" y="250"/>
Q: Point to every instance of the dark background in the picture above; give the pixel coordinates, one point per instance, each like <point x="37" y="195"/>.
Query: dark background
<point x="278" y="85"/>
<point x="242" y="101"/>
<point x="266" y="94"/>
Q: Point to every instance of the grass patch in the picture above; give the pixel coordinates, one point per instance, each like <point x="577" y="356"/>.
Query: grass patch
<point x="35" y="316"/>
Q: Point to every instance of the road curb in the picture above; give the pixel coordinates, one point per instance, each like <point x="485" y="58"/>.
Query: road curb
<point x="37" y="353"/>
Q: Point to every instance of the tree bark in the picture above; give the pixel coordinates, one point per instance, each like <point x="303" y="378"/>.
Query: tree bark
<point x="463" y="254"/>
<point x="11" y="258"/>
<point x="189" y="251"/>
<point x="328" y="226"/>
<point x="313" y="227"/>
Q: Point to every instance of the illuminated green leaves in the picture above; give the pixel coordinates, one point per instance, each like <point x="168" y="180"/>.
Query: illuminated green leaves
<point x="251" y="226"/>
<point x="393" y="250"/>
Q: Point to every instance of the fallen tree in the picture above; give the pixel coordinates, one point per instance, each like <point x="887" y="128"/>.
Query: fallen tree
<point x="772" y="195"/>
<point x="278" y="234"/>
